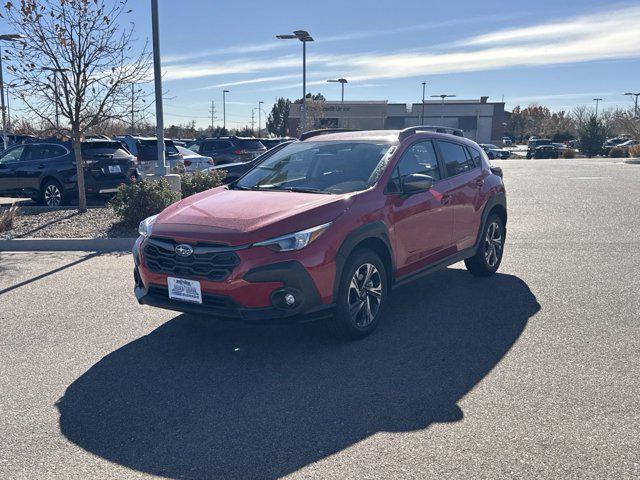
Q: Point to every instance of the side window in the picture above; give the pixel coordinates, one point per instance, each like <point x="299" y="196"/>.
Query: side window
<point x="43" y="152"/>
<point x="455" y="157"/>
<point x="418" y="158"/>
<point x="12" y="155"/>
<point x="223" y="145"/>
<point x="475" y="156"/>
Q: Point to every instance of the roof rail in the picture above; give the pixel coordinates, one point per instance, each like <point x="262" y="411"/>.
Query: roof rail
<point x="429" y="128"/>
<point x="324" y="131"/>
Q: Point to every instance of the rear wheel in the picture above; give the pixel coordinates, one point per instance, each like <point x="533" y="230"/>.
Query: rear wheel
<point x="361" y="296"/>
<point x="489" y="254"/>
<point x="51" y="194"/>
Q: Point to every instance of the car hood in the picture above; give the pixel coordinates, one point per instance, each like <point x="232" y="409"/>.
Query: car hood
<point x="239" y="217"/>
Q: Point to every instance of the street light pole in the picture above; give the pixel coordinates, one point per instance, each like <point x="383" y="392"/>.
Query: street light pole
<point x="635" y="110"/>
<point x="342" y="81"/>
<point x="259" y="116"/>
<point x="597" y="100"/>
<point x="442" y="96"/>
<point x="224" y="110"/>
<point x="132" y="108"/>
<point x="424" y="87"/>
<point x="161" y="168"/>
<point x="304" y="37"/>
<point x="10" y="37"/>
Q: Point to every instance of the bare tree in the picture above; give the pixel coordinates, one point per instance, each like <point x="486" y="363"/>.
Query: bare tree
<point x="76" y="62"/>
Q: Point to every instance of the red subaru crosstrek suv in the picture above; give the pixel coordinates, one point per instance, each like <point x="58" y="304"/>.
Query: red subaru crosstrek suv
<point x="326" y="227"/>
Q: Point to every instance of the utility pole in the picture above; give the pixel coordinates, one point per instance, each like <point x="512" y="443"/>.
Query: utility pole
<point x="133" y="103"/>
<point x="597" y="100"/>
<point x="213" y="115"/>
<point x="259" y="117"/>
<point x="631" y="94"/>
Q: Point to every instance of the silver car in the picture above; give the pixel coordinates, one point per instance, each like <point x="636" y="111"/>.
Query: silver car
<point x="194" y="162"/>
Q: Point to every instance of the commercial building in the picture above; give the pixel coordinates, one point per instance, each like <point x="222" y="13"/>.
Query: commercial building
<point x="481" y="120"/>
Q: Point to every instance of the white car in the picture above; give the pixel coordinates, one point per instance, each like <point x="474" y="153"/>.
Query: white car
<point x="194" y="162"/>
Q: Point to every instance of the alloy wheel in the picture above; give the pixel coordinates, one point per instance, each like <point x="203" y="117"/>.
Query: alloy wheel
<point x="52" y="196"/>
<point x="493" y="244"/>
<point x="365" y="295"/>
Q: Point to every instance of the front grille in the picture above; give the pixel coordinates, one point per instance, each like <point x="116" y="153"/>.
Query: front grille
<point x="211" y="261"/>
<point x="213" y="304"/>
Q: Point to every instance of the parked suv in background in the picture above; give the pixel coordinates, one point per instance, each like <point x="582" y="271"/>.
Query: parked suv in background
<point x="326" y="227"/>
<point x="535" y="143"/>
<point x="46" y="172"/>
<point x="146" y="151"/>
<point x="229" y="149"/>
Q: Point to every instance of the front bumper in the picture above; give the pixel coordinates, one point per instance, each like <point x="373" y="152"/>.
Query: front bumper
<point x="232" y="300"/>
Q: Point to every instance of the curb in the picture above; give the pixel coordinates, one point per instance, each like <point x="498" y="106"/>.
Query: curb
<point x="67" y="245"/>
<point x="632" y="161"/>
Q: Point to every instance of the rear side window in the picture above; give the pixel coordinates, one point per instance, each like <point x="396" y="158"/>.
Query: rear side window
<point x="170" y="148"/>
<point x="475" y="156"/>
<point x="42" y="152"/>
<point x="251" y="144"/>
<point x="454" y="157"/>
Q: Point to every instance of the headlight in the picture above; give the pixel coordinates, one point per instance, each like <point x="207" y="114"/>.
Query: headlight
<point x="144" y="228"/>
<point x="294" y="241"/>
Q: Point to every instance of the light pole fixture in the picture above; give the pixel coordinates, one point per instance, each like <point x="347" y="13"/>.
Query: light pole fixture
<point x="259" y="116"/>
<point x="7" y="37"/>
<point x="224" y="110"/>
<point x="55" y="90"/>
<point x="442" y="96"/>
<point x="342" y="81"/>
<point x="424" y="88"/>
<point x="597" y="100"/>
<point x="635" y="110"/>
<point x="304" y="37"/>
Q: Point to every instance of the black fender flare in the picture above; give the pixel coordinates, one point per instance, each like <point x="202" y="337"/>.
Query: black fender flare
<point x="498" y="199"/>
<point x="375" y="230"/>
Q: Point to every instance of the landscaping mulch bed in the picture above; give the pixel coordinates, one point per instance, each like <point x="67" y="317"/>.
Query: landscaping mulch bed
<point x="39" y="222"/>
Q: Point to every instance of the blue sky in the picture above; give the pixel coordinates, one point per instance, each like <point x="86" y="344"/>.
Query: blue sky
<point x="555" y="53"/>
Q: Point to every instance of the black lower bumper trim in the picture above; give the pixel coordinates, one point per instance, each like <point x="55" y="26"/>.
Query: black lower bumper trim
<point x="225" y="309"/>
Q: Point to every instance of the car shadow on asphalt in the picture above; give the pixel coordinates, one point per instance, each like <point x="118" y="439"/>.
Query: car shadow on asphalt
<point x="203" y="399"/>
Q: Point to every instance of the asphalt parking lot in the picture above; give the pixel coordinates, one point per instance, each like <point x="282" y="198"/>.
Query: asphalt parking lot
<point x="533" y="373"/>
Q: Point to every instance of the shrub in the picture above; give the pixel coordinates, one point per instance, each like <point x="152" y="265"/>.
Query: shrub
<point x="592" y="135"/>
<point x="197" y="182"/>
<point x="617" y="152"/>
<point x="569" y="153"/>
<point x="139" y="200"/>
<point x="634" y="152"/>
<point x="7" y="218"/>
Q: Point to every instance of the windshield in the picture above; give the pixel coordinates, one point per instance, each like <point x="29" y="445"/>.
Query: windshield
<point x="319" y="167"/>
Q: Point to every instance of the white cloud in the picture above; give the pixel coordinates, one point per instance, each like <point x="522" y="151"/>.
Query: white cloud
<point x="275" y="78"/>
<point x="597" y="36"/>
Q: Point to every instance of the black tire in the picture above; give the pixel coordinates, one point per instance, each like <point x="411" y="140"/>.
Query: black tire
<point x="52" y="194"/>
<point x="355" y="302"/>
<point x="488" y="257"/>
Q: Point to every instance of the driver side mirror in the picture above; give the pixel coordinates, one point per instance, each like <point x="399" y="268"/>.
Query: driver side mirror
<point x="415" y="183"/>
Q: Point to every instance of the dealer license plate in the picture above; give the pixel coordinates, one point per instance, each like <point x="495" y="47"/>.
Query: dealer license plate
<point x="184" y="290"/>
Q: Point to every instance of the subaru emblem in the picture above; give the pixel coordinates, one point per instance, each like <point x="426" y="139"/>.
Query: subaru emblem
<point x="184" y="250"/>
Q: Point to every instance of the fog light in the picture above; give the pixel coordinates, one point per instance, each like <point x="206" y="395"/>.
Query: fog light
<point x="289" y="299"/>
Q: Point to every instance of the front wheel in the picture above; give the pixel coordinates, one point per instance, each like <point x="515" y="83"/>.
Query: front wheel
<point x="489" y="254"/>
<point x="361" y="296"/>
